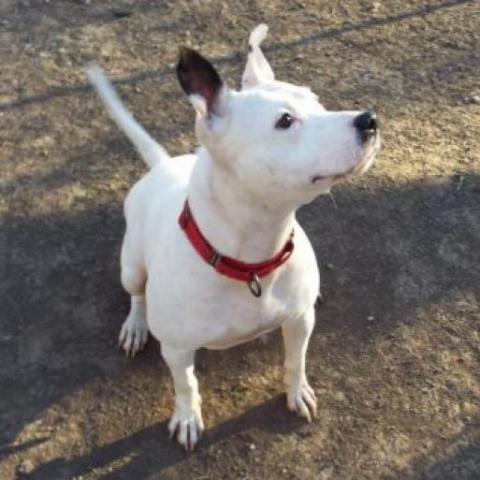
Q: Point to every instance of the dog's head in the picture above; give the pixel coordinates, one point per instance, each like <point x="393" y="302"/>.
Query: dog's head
<point x="275" y="138"/>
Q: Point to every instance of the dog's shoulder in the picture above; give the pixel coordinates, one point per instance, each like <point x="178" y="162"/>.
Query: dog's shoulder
<point x="159" y="182"/>
<point x="298" y="286"/>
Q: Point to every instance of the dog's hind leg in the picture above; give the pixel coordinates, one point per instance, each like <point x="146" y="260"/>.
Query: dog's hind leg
<point x="134" y="331"/>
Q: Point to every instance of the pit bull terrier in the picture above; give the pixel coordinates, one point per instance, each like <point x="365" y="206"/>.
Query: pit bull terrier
<point x="213" y="255"/>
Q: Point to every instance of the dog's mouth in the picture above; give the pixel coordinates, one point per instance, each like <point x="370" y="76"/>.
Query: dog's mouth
<point x="364" y="162"/>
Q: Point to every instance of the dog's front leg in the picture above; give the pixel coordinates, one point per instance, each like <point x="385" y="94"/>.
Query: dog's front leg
<point x="296" y="334"/>
<point x="186" y="422"/>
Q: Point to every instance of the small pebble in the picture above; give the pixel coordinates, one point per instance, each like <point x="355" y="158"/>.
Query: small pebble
<point x="252" y="446"/>
<point x="373" y="7"/>
<point x="340" y="396"/>
<point x="472" y="99"/>
<point x="122" y="11"/>
<point x="25" y="467"/>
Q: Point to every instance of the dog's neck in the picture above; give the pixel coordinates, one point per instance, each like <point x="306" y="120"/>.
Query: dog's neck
<point x="235" y="223"/>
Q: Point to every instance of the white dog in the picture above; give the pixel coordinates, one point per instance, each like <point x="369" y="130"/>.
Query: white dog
<point x="213" y="255"/>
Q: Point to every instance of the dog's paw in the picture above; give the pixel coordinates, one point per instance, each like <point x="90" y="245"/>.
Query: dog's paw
<point x="134" y="334"/>
<point x="187" y="426"/>
<point x="301" y="399"/>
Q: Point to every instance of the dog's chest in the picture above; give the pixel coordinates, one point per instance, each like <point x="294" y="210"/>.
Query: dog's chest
<point x="202" y="309"/>
<point x="191" y="305"/>
<point x="237" y="326"/>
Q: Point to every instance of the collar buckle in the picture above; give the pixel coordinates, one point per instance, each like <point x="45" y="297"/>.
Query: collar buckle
<point x="215" y="257"/>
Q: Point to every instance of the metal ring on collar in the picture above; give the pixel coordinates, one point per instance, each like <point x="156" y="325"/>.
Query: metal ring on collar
<point x="254" y="285"/>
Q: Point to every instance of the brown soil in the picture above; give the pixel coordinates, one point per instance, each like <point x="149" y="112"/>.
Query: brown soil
<point x="395" y="357"/>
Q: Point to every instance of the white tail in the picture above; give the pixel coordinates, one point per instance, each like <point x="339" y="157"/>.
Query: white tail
<point x="149" y="149"/>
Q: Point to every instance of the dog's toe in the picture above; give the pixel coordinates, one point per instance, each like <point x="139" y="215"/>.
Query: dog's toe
<point x="133" y="336"/>
<point x="187" y="429"/>
<point x="302" y="400"/>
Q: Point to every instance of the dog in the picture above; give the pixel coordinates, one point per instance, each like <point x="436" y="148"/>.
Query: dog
<point x="213" y="255"/>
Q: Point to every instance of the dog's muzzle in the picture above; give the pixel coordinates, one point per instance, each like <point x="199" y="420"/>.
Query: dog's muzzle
<point x="367" y="125"/>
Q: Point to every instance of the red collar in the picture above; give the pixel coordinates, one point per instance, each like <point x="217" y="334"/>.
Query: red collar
<point x="246" y="272"/>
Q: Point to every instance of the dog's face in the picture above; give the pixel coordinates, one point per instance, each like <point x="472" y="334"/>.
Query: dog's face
<point x="275" y="138"/>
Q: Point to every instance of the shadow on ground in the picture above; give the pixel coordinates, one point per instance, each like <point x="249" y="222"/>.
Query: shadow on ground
<point x="149" y="455"/>
<point x="387" y="252"/>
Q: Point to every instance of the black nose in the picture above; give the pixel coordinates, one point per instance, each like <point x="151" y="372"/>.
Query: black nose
<point x="367" y="124"/>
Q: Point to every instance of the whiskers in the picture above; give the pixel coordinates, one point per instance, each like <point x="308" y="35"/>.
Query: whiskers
<point x="332" y="198"/>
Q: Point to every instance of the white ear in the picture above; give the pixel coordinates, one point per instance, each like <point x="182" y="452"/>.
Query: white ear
<point x="257" y="70"/>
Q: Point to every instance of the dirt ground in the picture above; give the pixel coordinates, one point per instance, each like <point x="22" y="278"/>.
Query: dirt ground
<point x="395" y="356"/>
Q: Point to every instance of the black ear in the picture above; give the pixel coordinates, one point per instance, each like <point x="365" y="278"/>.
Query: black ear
<point x="197" y="76"/>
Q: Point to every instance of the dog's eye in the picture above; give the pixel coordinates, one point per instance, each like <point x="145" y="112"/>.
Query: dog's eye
<point x="285" y="121"/>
